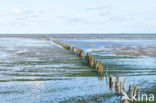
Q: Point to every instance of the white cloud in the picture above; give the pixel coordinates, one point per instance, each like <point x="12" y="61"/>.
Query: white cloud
<point x="37" y="13"/>
<point x="32" y="13"/>
<point x="121" y="18"/>
<point x="17" y="16"/>
<point x="2" y="15"/>
<point x="15" y="11"/>
<point x="78" y="18"/>
<point x="95" y="7"/>
<point x="103" y="21"/>
<point x="75" y="18"/>
<point x="104" y="12"/>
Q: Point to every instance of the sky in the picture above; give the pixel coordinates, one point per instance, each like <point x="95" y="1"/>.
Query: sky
<point x="77" y="16"/>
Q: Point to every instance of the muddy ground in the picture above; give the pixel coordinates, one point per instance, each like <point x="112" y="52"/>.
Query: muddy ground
<point x="35" y="70"/>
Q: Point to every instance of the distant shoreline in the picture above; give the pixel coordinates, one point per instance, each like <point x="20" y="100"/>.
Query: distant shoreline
<point x="78" y="34"/>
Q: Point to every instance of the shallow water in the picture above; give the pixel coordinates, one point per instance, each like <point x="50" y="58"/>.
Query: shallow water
<point x="141" y="65"/>
<point x="39" y="71"/>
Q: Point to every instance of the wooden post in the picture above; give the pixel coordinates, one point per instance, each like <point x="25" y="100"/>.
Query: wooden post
<point x="78" y="52"/>
<point x="117" y="84"/>
<point x="129" y="90"/>
<point x="106" y="71"/>
<point x="106" y="75"/>
<point x="117" y="81"/>
<point x="120" y="91"/>
<point x="124" y="84"/>
<point x="100" y="67"/>
<point x="92" y="61"/>
<point x="81" y="53"/>
<point x="135" y="91"/>
<point x="111" y="82"/>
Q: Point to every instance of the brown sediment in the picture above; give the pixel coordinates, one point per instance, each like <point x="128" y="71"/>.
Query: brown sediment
<point x="118" y="50"/>
<point x="128" y="37"/>
<point x="130" y="50"/>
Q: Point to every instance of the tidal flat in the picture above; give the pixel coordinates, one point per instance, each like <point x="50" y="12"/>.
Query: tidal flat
<point x="36" y="70"/>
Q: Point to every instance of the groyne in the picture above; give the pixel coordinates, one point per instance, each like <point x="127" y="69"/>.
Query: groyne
<point x="120" y="87"/>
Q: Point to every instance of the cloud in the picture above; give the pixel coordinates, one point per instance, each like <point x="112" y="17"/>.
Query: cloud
<point x="15" y="11"/>
<point x="21" y="16"/>
<point x="104" y="12"/>
<point x="37" y="14"/>
<point x="2" y="15"/>
<point x="102" y="21"/>
<point x="121" y="18"/>
<point x="20" y="12"/>
<point x="116" y="16"/>
<point x="76" y="18"/>
<point x="95" y="7"/>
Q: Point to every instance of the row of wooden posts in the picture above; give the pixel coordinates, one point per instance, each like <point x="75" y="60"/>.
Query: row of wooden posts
<point x="64" y="45"/>
<point x="99" y="66"/>
<point x="79" y="51"/>
<point x="90" y="60"/>
<point x="125" y="96"/>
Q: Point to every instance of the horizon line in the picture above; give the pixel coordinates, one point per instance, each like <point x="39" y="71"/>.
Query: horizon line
<point x="74" y="33"/>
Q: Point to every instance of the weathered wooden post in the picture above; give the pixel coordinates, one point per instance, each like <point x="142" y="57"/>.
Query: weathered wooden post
<point x="120" y="91"/>
<point x="117" y="81"/>
<point x="135" y="91"/>
<point x="124" y="84"/>
<point x="106" y="70"/>
<point x="92" y="61"/>
<point x="100" y="67"/>
<point x="78" y="52"/>
<point x="129" y="90"/>
<point x="81" y="53"/>
<point x="117" y="84"/>
<point x="111" y="82"/>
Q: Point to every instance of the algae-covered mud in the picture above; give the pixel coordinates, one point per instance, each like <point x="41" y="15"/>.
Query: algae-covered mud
<point x="36" y="70"/>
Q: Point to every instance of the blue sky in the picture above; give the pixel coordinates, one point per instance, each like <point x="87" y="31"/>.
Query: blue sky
<point x="77" y="16"/>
